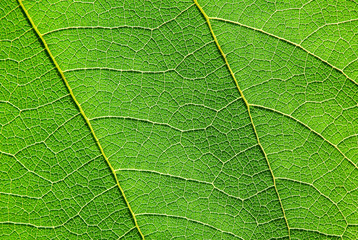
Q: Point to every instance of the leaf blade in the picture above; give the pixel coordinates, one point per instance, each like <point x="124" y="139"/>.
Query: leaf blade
<point x="192" y="154"/>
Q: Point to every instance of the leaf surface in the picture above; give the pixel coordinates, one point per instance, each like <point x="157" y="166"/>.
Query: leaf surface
<point x="178" y="120"/>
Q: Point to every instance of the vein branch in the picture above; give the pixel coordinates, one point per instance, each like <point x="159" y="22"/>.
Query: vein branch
<point x="247" y="106"/>
<point x="190" y="220"/>
<point x="80" y="109"/>
<point x="309" y="128"/>
<point x="287" y="41"/>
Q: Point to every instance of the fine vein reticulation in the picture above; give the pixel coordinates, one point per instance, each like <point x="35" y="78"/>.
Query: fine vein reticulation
<point x="214" y="120"/>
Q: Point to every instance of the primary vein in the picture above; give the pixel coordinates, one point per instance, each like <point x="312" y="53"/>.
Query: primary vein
<point x="247" y="106"/>
<point x="81" y="111"/>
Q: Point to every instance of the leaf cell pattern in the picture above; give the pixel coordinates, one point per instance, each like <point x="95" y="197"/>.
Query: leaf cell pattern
<point x="178" y="119"/>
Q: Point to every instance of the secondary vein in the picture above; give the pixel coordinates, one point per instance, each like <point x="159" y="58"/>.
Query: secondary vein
<point x="247" y="106"/>
<point x="298" y="45"/>
<point x="80" y="109"/>
<point x="307" y="127"/>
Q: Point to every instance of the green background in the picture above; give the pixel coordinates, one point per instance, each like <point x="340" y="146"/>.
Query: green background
<point x="195" y="158"/>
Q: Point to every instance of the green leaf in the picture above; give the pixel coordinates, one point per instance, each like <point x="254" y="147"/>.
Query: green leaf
<point x="178" y="119"/>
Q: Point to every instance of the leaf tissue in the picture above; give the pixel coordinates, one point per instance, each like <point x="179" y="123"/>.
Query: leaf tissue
<point x="179" y="119"/>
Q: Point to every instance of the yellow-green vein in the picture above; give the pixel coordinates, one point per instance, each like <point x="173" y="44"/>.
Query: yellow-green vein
<point x="81" y="111"/>
<point x="247" y="106"/>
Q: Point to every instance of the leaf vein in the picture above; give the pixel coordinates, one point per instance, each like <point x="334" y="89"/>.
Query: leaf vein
<point x="42" y="40"/>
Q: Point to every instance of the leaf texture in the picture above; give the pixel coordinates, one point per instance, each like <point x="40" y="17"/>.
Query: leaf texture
<point x="178" y="119"/>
